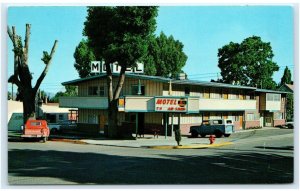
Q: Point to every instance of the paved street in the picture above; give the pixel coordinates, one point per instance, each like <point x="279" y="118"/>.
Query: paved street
<point x="261" y="156"/>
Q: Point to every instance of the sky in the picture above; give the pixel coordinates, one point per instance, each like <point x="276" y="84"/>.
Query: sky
<point x="202" y="30"/>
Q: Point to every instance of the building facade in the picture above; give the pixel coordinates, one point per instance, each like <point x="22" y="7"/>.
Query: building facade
<point x="151" y="102"/>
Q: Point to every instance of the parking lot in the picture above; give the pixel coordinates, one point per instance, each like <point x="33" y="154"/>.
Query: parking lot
<point x="254" y="157"/>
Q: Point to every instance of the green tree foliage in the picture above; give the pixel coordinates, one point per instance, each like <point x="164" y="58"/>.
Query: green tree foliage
<point x="287" y="77"/>
<point x="248" y="63"/>
<point x="290" y="107"/>
<point x="165" y="56"/>
<point x="83" y="56"/>
<point x="119" y="34"/>
<point x="9" y="95"/>
<point x="70" y="91"/>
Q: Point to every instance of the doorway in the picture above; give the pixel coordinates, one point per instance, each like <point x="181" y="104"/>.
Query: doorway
<point x="141" y="123"/>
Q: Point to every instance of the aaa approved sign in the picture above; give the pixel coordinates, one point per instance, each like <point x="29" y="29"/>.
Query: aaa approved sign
<point x="166" y="104"/>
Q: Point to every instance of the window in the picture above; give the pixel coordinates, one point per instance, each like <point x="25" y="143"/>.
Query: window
<point x="273" y="97"/>
<point x="216" y="93"/>
<point x="276" y="97"/>
<point x="187" y="91"/>
<point x="35" y="123"/>
<point x="93" y="90"/>
<point x="278" y="115"/>
<point x="250" y="117"/>
<point x="233" y="95"/>
<point x="101" y="91"/>
<point x="135" y="90"/>
<point x="249" y="96"/>
<point x="92" y="119"/>
<point x="60" y="117"/>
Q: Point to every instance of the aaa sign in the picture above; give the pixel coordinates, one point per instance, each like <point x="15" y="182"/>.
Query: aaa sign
<point x="171" y="104"/>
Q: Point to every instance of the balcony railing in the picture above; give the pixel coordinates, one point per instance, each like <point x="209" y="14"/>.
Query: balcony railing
<point x="84" y="102"/>
<point x="226" y="105"/>
<point x="147" y="104"/>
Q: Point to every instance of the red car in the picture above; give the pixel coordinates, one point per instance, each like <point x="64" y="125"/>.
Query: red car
<point x="36" y="129"/>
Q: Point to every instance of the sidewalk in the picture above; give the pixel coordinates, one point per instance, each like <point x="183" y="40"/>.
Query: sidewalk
<point x="150" y="142"/>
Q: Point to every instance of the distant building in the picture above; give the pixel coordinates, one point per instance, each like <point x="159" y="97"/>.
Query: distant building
<point x="50" y="111"/>
<point x="152" y="102"/>
<point x="287" y="88"/>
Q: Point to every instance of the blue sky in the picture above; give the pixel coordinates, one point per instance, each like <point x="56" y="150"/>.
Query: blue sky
<point x="202" y="30"/>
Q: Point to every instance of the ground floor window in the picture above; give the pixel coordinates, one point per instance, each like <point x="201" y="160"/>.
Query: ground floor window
<point x="278" y="115"/>
<point x="250" y="117"/>
<point x="92" y="118"/>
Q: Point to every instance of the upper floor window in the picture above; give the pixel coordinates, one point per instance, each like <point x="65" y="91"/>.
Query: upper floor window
<point x="216" y="93"/>
<point x="233" y="95"/>
<point x="187" y="91"/>
<point x="101" y="91"/>
<point x="93" y="90"/>
<point x="273" y="97"/>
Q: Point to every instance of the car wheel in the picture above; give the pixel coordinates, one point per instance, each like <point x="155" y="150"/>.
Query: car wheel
<point x="218" y="134"/>
<point x="194" y="134"/>
<point x="226" y="135"/>
<point x="44" y="139"/>
<point x="54" y="130"/>
<point x="202" y="135"/>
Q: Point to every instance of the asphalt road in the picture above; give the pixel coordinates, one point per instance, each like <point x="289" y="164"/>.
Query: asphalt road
<point x="256" y="157"/>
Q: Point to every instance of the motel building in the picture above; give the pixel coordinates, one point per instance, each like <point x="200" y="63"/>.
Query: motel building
<point x="153" y="103"/>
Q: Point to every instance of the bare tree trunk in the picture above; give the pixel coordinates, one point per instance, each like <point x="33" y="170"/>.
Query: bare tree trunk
<point x="113" y="115"/>
<point x="22" y="76"/>
<point x="28" y="105"/>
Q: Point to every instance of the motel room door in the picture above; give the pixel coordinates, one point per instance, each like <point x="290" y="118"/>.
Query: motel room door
<point x="141" y="123"/>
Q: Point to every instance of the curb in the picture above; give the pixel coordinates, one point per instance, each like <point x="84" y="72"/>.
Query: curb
<point x="198" y="146"/>
<point x="69" y="141"/>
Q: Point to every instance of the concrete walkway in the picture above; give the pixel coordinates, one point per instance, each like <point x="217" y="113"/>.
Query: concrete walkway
<point x="161" y="142"/>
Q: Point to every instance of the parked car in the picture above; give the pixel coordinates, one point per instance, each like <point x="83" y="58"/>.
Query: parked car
<point x="68" y="125"/>
<point x="36" y="129"/>
<point x="290" y="124"/>
<point x="217" y="127"/>
<point x="54" y="127"/>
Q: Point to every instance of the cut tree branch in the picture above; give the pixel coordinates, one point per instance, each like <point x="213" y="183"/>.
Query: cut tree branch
<point x="27" y="37"/>
<point x="48" y="62"/>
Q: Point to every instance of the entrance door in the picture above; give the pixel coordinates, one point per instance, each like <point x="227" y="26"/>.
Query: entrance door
<point x="268" y="121"/>
<point x="141" y="123"/>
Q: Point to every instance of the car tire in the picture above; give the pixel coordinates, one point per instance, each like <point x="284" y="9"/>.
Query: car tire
<point x="45" y="139"/>
<point x="194" y="134"/>
<point x="202" y="135"/>
<point x="54" y="131"/>
<point x="226" y="135"/>
<point x="218" y="134"/>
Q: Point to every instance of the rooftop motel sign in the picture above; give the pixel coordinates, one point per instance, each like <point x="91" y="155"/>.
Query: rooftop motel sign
<point x="100" y="67"/>
<point x="169" y="104"/>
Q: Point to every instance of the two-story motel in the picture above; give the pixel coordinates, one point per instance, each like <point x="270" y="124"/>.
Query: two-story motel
<point x="152" y="102"/>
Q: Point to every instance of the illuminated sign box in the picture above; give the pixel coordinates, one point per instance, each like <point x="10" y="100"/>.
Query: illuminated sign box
<point x="171" y="104"/>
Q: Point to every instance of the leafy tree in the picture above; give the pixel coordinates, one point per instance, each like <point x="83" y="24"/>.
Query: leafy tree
<point x="119" y="34"/>
<point x="290" y="107"/>
<point x="248" y="63"/>
<point x="165" y="56"/>
<point x="287" y="77"/>
<point x="9" y="96"/>
<point x="70" y="91"/>
<point x="22" y="76"/>
<point x="83" y="56"/>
